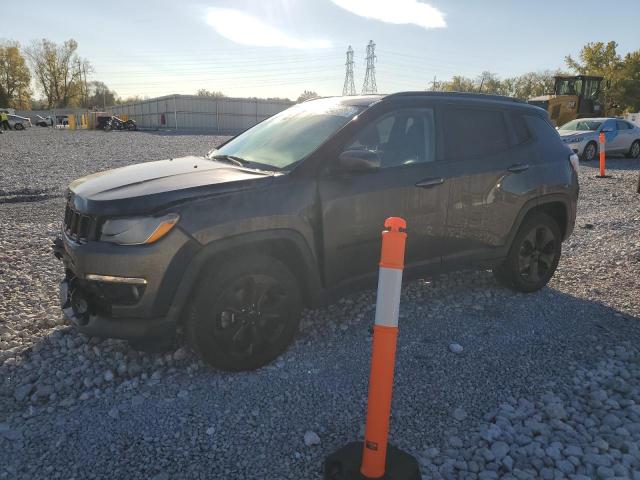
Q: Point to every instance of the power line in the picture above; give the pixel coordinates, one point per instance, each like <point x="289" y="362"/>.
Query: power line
<point x="369" y="85"/>
<point x="349" y="87"/>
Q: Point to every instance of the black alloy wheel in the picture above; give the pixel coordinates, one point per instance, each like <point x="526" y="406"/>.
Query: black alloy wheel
<point x="536" y="254"/>
<point x="533" y="256"/>
<point x="245" y="314"/>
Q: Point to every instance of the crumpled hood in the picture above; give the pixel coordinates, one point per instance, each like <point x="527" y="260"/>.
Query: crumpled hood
<point x="148" y="186"/>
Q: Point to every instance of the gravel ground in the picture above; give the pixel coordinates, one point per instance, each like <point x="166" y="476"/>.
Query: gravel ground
<point x="545" y="385"/>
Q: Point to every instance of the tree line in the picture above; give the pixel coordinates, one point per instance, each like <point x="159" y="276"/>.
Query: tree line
<point x="621" y="83"/>
<point x="60" y="77"/>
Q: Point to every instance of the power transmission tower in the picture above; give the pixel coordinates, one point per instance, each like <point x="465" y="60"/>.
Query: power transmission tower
<point x="370" y="75"/>
<point x="349" y="87"/>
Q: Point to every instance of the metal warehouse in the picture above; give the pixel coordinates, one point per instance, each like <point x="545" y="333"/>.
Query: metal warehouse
<point x="189" y="112"/>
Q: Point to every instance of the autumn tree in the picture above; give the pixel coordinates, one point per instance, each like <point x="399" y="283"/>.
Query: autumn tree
<point x="15" y="77"/>
<point x="306" y="95"/>
<point x="59" y="72"/>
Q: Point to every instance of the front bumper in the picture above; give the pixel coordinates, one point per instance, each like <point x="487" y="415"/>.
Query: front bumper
<point x="134" y="304"/>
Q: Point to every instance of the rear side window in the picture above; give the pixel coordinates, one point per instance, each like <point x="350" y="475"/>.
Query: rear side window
<point x="523" y="135"/>
<point x="474" y="132"/>
<point x="622" y="125"/>
<point x="542" y="129"/>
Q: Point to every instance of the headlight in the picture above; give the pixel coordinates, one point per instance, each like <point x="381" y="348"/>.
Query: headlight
<point x="137" y="230"/>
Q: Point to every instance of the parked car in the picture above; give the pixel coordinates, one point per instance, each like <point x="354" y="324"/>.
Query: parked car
<point x="231" y="245"/>
<point x="19" y="123"/>
<point x="582" y="136"/>
<point x="44" y="121"/>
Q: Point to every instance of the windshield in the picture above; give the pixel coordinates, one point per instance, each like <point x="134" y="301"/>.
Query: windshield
<point x="291" y="135"/>
<point x="582" y="124"/>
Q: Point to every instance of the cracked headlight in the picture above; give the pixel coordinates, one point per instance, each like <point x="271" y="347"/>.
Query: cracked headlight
<point x="137" y="230"/>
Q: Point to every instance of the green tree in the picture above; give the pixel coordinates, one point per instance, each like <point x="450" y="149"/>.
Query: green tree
<point x="99" y="95"/>
<point x="306" y="95"/>
<point x="59" y="72"/>
<point x="15" y="77"/>
<point x="629" y="85"/>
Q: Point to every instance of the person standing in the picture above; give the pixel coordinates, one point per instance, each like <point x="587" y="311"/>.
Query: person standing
<point x="4" y="120"/>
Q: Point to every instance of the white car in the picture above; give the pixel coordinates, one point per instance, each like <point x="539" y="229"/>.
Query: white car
<point x="582" y="136"/>
<point x="19" y="123"/>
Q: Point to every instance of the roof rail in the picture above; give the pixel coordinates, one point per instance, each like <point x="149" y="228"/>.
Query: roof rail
<point x="483" y="96"/>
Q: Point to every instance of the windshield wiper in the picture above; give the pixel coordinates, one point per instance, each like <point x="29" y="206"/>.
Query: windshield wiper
<point x="241" y="162"/>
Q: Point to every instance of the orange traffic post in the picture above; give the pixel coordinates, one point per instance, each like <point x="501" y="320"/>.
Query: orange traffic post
<point x="603" y="157"/>
<point x="374" y="458"/>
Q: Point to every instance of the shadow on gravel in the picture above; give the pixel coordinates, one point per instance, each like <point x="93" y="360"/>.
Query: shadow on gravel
<point x="24" y="195"/>
<point x="616" y="163"/>
<point x="107" y="396"/>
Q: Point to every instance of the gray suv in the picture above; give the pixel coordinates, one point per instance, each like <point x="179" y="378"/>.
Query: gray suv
<point x="231" y="246"/>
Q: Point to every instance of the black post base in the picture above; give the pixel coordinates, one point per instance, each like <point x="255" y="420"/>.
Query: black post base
<point x="344" y="464"/>
<point x="603" y="176"/>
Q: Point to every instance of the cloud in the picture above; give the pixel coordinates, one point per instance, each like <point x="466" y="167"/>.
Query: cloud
<point x="245" y="29"/>
<point x="397" y="11"/>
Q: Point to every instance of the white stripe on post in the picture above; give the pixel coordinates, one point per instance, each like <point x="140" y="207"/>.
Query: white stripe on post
<point x="388" y="298"/>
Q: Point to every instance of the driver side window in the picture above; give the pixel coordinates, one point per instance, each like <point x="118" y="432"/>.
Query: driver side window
<point x="404" y="137"/>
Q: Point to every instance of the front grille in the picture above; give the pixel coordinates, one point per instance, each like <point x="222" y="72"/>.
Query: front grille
<point x="79" y="227"/>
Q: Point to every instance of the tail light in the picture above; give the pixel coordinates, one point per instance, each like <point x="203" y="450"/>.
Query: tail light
<point x="575" y="162"/>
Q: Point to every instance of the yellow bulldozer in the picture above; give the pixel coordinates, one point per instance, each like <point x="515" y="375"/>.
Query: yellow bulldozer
<point x="578" y="96"/>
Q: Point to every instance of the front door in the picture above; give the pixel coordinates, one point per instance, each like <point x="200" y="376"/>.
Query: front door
<point x="409" y="183"/>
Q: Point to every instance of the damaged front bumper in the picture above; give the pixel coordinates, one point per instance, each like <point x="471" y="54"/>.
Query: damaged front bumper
<point x="93" y="303"/>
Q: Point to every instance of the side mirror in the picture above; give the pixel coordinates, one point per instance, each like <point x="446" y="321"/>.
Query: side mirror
<point x="359" y="161"/>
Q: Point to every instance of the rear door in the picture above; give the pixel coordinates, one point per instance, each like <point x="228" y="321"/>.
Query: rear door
<point x="490" y="159"/>
<point x="409" y="183"/>
<point x="624" y="139"/>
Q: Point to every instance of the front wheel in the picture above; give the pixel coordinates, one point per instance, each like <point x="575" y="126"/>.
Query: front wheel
<point x="245" y="313"/>
<point x="131" y="126"/>
<point x="18" y="126"/>
<point x="590" y="151"/>
<point x="634" y="151"/>
<point x="533" y="256"/>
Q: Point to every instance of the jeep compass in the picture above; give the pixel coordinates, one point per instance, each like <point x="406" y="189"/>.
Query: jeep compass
<point x="231" y="246"/>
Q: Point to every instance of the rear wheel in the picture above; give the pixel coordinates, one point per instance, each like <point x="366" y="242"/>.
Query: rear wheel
<point x="244" y="314"/>
<point x="534" y="255"/>
<point x="634" y="151"/>
<point x="590" y="151"/>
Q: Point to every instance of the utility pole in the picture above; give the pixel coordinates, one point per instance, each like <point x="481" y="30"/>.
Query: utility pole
<point x="349" y="87"/>
<point x="369" y="85"/>
<point x="433" y="84"/>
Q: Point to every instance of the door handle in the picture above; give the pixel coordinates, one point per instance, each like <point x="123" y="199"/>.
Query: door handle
<point x="518" y="167"/>
<point x="430" y="182"/>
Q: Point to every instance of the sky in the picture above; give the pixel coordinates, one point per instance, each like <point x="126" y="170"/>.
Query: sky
<point x="279" y="48"/>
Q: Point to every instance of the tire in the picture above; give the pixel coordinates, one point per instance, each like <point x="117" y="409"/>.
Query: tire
<point x="131" y="126"/>
<point x="533" y="256"/>
<point x="244" y="314"/>
<point x="18" y="126"/>
<point x="107" y="127"/>
<point x="590" y="151"/>
<point x="634" y="151"/>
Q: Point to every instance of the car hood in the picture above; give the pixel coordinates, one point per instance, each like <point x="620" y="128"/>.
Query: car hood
<point x="150" y="186"/>
<point x="575" y="133"/>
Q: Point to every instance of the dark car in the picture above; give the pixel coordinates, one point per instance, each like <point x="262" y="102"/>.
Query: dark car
<point x="288" y="214"/>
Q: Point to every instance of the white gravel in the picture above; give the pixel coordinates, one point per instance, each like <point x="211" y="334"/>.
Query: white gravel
<point x="546" y="386"/>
